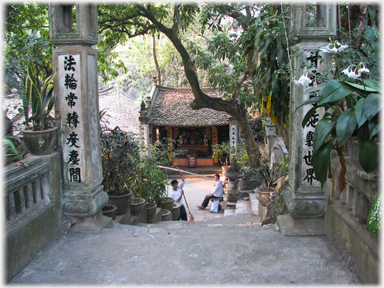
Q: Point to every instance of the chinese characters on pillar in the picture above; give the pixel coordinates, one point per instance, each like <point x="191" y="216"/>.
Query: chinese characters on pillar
<point x="308" y="144"/>
<point x="313" y="63"/>
<point x="233" y="134"/>
<point x="71" y="111"/>
<point x="143" y="134"/>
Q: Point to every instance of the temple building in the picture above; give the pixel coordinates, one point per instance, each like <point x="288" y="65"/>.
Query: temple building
<point x="167" y="114"/>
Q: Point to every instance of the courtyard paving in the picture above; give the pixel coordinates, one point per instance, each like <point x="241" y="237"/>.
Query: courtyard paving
<point x="216" y="249"/>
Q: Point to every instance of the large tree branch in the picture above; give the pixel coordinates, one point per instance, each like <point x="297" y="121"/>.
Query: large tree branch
<point x="202" y="100"/>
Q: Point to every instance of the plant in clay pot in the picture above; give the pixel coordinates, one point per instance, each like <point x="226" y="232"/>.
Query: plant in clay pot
<point x="39" y="136"/>
<point x="263" y="193"/>
<point x="120" y="157"/>
<point x="223" y="152"/>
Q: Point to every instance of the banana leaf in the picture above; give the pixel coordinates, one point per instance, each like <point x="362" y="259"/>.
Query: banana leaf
<point x="321" y="161"/>
<point x="345" y="126"/>
<point x="334" y="92"/>
<point x="323" y="129"/>
<point x="368" y="155"/>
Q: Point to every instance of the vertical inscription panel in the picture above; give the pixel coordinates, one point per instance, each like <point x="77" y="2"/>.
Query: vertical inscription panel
<point x="70" y="98"/>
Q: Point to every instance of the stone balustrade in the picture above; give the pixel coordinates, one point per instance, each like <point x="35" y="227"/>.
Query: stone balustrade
<point x="32" y="196"/>
<point x="347" y="212"/>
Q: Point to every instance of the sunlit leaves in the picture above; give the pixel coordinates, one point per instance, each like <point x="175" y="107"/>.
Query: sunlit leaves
<point x="374" y="216"/>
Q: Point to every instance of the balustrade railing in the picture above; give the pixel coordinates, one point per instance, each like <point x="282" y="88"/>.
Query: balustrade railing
<point x="361" y="189"/>
<point x="26" y="193"/>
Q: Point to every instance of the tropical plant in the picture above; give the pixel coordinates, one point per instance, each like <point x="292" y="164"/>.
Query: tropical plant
<point x="120" y="156"/>
<point x="26" y="34"/>
<point x="13" y="152"/>
<point x="149" y="182"/>
<point x="161" y="151"/>
<point x="351" y="110"/>
<point x="39" y="95"/>
<point x="223" y="152"/>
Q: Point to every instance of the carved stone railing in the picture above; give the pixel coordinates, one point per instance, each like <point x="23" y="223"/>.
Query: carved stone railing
<point x="347" y="212"/>
<point x="32" y="196"/>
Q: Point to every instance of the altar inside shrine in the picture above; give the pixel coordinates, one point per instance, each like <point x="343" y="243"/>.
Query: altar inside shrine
<point x="194" y="148"/>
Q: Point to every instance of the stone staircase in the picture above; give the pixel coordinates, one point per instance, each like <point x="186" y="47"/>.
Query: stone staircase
<point x="247" y="205"/>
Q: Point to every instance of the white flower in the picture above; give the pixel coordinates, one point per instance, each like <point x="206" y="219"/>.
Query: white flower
<point x="342" y="47"/>
<point x="334" y="49"/>
<point x="364" y="69"/>
<point x="328" y="49"/>
<point x="304" y="80"/>
<point x="353" y="74"/>
<point x="346" y="71"/>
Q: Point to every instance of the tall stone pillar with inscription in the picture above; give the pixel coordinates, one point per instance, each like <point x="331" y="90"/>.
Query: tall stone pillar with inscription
<point x="313" y="25"/>
<point x="233" y="132"/>
<point x="73" y="28"/>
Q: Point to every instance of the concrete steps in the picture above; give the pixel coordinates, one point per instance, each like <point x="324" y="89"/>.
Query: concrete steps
<point x="243" y="206"/>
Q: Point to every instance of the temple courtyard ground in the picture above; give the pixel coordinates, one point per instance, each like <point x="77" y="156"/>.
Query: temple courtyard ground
<point x="223" y="248"/>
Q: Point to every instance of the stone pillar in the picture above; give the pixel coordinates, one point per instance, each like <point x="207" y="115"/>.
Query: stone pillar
<point x="169" y="141"/>
<point x="233" y="132"/>
<point x="214" y="141"/>
<point x="144" y="130"/>
<point x="77" y="113"/>
<point x="270" y="131"/>
<point x="303" y="196"/>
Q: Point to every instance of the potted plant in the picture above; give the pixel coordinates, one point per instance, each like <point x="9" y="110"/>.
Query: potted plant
<point x="39" y="138"/>
<point x="263" y="193"/>
<point x="109" y="211"/>
<point x="120" y="157"/>
<point x="150" y="182"/>
<point x="223" y="152"/>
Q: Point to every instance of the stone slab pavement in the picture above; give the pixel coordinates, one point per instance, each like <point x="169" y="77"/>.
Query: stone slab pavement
<point x="230" y="250"/>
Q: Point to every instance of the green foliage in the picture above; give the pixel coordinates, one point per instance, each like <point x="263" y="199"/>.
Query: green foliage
<point x="354" y="110"/>
<point x="120" y="159"/>
<point x="39" y="95"/>
<point x="27" y="35"/>
<point x="13" y="151"/>
<point x="271" y="65"/>
<point x="150" y="182"/>
<point x="374" y="216"/>
<point x="127" y="165"/>
<point x="223" y="152"/>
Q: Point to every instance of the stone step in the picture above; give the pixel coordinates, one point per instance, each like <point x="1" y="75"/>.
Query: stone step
<point x="242" y="207"/>
<point x="254" y="203"/>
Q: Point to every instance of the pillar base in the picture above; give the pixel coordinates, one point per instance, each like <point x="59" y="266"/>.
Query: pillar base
<point x="91" y="224"/>
<point x="303" y="204"/>
<point x="300" y="227"/>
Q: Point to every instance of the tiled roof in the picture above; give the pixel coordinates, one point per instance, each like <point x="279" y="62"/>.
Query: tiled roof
<point x="171" y="107"/>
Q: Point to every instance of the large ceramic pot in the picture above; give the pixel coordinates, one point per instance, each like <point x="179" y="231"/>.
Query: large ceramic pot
<point x="263" y="194"/>
<point x="151" y="212"/>
<point x="39" y="142"/>
<point x="166" y="215"/>
<point x="175" y="210"/>
<point x="122" y="202"/>
<point x="137" y="205"/>
<point x="109" y="211"/>
<point x="166" y="203"/>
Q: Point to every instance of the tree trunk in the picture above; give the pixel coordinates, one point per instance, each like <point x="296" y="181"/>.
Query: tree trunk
<point x="250" y="144"/>
<point x="155" y="59"/>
